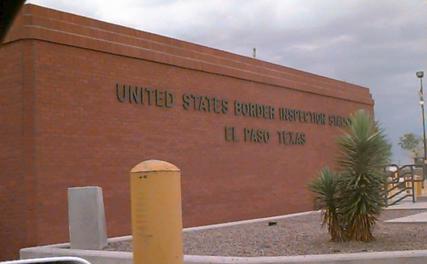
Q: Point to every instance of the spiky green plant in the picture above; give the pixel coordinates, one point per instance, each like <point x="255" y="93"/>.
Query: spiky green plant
<point x="325" y="189"/>
<point x="364" y="152"/>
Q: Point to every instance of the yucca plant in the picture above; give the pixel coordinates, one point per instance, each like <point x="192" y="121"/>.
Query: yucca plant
<point x="325" y="189"/>
<point x="364" y="153"/>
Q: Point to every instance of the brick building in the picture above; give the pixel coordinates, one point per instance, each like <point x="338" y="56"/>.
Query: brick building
<point x="82" y="101"/>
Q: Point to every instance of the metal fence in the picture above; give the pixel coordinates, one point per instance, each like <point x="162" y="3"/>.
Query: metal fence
<point x="401" y="182"/>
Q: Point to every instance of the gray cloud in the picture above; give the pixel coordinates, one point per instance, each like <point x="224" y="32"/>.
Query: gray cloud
<point x="379" y="44"/>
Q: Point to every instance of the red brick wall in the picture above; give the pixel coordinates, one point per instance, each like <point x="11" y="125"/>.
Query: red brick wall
<point x="65" y="116"/>
<point x="17" y="176"/>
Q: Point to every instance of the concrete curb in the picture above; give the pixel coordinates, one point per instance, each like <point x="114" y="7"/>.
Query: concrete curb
<point x="117" y="257"/>
<point x="272" y="218"/>
<point x="394" y="257"/>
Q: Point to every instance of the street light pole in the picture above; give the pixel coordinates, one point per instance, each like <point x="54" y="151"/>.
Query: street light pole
<point x="420" y="75"/>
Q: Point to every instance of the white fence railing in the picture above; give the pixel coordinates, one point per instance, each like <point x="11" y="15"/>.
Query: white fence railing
<point x="64" y="260"/>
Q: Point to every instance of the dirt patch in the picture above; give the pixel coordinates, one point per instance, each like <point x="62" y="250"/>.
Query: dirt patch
<point x="300" y="235"/>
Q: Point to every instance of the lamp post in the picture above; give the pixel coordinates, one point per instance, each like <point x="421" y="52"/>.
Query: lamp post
<point x="420" y="75"/>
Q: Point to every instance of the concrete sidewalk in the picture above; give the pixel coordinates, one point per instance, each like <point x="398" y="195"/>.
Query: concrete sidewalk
<point x="409" y="205"/>
<point x="420" y="218"/>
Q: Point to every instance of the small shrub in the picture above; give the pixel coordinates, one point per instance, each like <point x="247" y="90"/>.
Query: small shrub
<point x="325" y="189"/>
<point x="354" y="194"/>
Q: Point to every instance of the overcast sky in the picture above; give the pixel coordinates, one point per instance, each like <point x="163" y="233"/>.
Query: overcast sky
<point x="378" y="44"/>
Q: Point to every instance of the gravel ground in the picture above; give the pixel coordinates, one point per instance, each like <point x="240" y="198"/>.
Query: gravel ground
<point x="301" y="235"/>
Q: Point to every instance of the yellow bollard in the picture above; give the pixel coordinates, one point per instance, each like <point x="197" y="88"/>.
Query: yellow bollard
<point x="156" y="213"/>
<point x="418" y="190"/>
<point x="418" y="185"/>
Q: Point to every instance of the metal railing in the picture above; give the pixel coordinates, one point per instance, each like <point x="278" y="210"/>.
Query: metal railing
<point x="400" y="183"/>
<point x="59" y="260"/>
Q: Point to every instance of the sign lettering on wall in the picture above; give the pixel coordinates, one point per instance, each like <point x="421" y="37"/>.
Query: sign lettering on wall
<point x="221" y="106"/>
